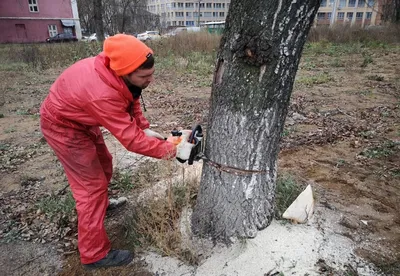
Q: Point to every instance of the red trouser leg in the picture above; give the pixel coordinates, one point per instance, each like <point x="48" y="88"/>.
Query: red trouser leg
<point x="104" y="155"/>
<point x="88" y="166"/>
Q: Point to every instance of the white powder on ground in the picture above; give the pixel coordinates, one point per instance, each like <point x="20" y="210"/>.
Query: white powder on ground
<point x="282" y="247"/>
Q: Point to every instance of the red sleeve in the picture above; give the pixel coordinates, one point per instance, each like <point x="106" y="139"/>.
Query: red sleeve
<point x="111" y="114"/>
<point x="141" y="121"/>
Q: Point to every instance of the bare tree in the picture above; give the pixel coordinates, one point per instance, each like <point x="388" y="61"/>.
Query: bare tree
<point x="118" y="16"/>
<point x="257" y="62"/>
<point x="98" y="19"/>
<point x="390" y="10"/>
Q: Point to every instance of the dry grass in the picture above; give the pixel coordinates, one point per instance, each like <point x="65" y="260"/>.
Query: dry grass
<point x="156" y="218"/>
<point x="184" y="44"/>
<point x="347" y="34"/>
<point x="189" y="51"/>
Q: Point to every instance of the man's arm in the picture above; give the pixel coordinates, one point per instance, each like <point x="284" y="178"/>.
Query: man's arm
<point x="141" y="121"/>
<point x="111" y="114"/>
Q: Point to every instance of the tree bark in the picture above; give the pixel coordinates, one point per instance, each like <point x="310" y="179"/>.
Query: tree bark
<point x="98" y="19"/>
<point x="256" y="66"/>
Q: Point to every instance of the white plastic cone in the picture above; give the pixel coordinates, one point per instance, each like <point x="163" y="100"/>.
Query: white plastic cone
<point x="302" y="208"/>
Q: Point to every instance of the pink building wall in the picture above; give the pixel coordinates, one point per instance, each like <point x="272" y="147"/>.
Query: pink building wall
<point x="19" y="25"/>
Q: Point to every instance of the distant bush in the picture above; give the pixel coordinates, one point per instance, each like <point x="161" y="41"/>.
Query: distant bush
<point x="348" y="34"/>
<point x="45" y="56"/>
<point x="197" y="51"/>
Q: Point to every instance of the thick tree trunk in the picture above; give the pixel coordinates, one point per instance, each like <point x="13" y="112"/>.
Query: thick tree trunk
<point x="256" y="67"/>
<point x="98" y="20"/>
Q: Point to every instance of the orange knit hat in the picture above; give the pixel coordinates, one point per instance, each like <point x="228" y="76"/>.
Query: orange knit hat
<point x="126" y="53"/>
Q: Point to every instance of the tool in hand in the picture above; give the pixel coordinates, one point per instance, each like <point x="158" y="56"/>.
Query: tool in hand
<point x="195" y="137"/>
<point x="197" y="152"/>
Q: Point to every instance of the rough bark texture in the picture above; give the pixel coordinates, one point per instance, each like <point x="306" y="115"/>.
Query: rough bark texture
<point x="256" y="67"/>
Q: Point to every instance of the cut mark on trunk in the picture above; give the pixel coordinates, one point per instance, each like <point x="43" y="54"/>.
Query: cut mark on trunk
<point x="219" y="72"/>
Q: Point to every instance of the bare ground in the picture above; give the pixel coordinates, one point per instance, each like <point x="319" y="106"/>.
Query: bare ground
<point x="342" y="134"/>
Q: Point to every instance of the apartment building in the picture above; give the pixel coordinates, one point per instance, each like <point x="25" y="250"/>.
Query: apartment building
<point x="188" y="13"/>
<point x="33" y="20"/>
<point x="353" y="12"/>
<point x="195" y="12"/>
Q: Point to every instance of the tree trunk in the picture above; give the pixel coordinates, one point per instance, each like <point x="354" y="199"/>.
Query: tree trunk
<point x="98" y="20"/>
<point x="255" y="71"/>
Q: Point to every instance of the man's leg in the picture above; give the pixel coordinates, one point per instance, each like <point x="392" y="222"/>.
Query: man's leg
<point x="104" y="155"/>
<point x="77" y="152"/>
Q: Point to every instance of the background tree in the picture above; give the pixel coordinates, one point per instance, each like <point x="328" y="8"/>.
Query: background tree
<point x="118" y="16"/>
<point x="390" y="10"/>
<point x="257" y="62"/>
<point x="98" y="19"/>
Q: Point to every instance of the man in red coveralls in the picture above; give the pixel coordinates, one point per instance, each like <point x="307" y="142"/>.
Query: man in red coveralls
<point x="102" y="91"/>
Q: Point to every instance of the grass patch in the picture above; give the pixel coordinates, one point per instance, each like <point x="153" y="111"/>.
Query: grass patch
<point x="395" y="173"/>
<point x="316" y="79"/>
<point x="367" y="59"/>
<point x="287" y="131"/>
<point x="198" y="63"/>
<point x="126" y="180"/>
<point x="386" y="149"/>
<point x="11" y="232"/>
<point x="122" y="180"/>
<point x="287" y="190"/>
<point x="10" y="130"/>
<point x="336" y="62"/>
<point x="156" y="222"/>
<point x="54" y="205"/>
<point x="4" y="146"/>
<point x="375" y="77"/>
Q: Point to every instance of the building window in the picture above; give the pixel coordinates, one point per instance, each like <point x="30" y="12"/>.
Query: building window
<point x="368" y="15"/>
<point x="371" y="3"/>
<point x="342" y="3"/>
<point x="329" y="15"/>
<point x="180" y="5"/>
<point x="221" y="14"/>
<point x="179" y="14"/>
<point x="52" y="30"/>
<point x="323" y="3"/>
<point x="352" y="3"/>
<point x="189" y="23"/>
<point x="361" y="3"/>
<point x="321" y="16"/>
<point x="215" y="14"/>
<point x="209" y="5"/>
<point x="202" y="5"/>
<point x="359" y="15"/>
<point x="207" y="14"/>
<point x="188" y="14"/>
<point x="189" y="5"/>
<point x="340" y="15"/>
<point x="33" y="6"/>
<point x="349" y="15"/>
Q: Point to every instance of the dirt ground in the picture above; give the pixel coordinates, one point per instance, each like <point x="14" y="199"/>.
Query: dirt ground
<point x="342" y="134"/>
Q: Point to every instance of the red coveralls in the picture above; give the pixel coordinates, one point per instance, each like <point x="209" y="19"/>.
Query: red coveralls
<point x="85" y="96"/>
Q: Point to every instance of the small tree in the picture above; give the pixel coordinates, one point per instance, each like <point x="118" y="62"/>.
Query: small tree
<point x="257" y="62"/>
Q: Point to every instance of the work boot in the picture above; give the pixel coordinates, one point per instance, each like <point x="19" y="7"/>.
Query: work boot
<point x="116" y="203"/>
<point x="113" y="258"/>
